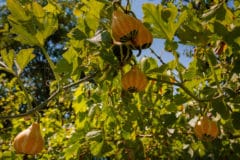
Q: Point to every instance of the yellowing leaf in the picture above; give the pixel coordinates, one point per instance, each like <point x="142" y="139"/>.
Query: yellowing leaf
<point x="23" y="35"/>
<point x="38" y="10"/>
<point x="96" y="148"/>
<point x="52" y="8"/>
<point x="50" y="25"/>
<point x="23" y="58"/>
<point x="17" y="11"/>
<point x="163" y="27"/>
<point x="7" y="57"/>
<point x="79" y="103"/>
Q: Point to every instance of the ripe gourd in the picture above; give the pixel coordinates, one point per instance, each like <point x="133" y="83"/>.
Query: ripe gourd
<point x="206" y="129"/>
<point x="134" y="80"/>
<point x="29" y="141"/>
<point x="143" y="39"/>
<point x="124" y="26"/>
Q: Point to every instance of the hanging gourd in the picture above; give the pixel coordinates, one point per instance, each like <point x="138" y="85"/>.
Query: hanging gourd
<point x="143" y="39"/>
<point x="124" y="26"/>
<point x="206" y="129"/>
<point x="134" y="80"/>
<point x="29" y="141"/>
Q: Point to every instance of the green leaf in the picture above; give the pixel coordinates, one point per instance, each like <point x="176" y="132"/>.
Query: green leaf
<point x="152" y="15"/>
<point x="219" y="12"/>
<point x="220" y="107"/>
<point x="17" y="11"/>
<point x="23" y="57"/>
<point x="106" y="149"/>
<point x="71" y="150"/>
<point x="172" y="107"/>
<point x="236" y="120"/>
<point x="50" y="25"/>
<point x="212" y="58"/>
<point x="23" y="35"/>
<point x="37" y="10"/>
<point x="72" y="59"/>
<point x="52" y="7"/>
<point x="163" y="28"/>
<point x="93" y="15"/>
<point x="78" y="34"/>
<point x="208" y="92"/>
<point x="8" y="58"/>
<point x="169" y="119"/>
<point x="79" y="103"/>
<point x="220" y="29"/>
<point x="96" y="148"/>
<point x="91" y="19"/>
<point x="147" y="64"/>
<point x="63" y="66"/>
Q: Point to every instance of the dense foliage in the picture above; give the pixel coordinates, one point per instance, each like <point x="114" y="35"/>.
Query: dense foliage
<point x="60" y="66"/>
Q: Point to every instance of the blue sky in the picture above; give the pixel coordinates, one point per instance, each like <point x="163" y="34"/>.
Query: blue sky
<point x="2" y="2"/>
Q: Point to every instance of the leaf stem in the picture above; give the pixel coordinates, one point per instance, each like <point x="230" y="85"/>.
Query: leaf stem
<point x="178" y="68"/>
<point x="29" y="104"/>
<point x="52" y="66"/>
<point x="214" y="74"/>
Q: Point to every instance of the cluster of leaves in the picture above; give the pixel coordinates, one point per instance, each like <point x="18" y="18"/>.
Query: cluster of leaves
<point x="85" y="113"/>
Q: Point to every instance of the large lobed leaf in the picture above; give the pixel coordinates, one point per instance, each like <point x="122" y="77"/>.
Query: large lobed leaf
<point x="164" y="20"/>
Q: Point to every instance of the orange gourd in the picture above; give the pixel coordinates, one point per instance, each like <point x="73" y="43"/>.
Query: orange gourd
<point x="29" y="141"/>
<point x="206" y="129"/>
<point x="134" y="80"/>
<point x="124" y="26"/>
<point x="143" y="39"/>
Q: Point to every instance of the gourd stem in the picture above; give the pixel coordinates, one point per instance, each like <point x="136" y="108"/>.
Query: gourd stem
<point x="117" y="4"/>
<point x="38" y="116"/>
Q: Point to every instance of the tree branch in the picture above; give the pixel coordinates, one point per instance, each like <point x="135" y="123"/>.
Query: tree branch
<point x="55" y="93"/>
<point x="183" y="87"/>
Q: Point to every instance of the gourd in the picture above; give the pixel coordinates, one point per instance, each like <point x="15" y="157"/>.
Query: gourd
<point x="143" y="39"/>
<point x="29" y="141"/>
<point x="124" y="26"/>
<point x="134" y="80"/>
<point x="206" y="129"/>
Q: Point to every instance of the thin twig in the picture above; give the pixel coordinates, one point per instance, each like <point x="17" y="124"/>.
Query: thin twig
<point x="158" y="57"/>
